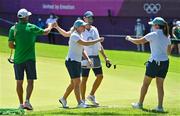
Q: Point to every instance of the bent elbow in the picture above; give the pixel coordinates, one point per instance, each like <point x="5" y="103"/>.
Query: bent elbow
<point x="66" y="35"/>
<point x="141" y="42"/>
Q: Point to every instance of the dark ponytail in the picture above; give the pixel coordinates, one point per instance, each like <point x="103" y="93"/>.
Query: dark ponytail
<point x="165" y="29"/>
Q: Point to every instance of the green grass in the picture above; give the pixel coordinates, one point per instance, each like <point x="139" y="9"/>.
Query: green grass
<point x="119" y="88"/>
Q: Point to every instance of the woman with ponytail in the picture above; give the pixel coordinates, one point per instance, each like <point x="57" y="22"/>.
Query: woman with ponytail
<point x="73" y="60"/>
<point x="158" y="63"/>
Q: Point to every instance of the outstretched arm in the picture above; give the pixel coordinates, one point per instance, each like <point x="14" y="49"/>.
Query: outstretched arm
<point x="62" y="31"/>
<point x="136" y="41"/>
<point x="88" y="43"/>
<point x="48" y="29"/>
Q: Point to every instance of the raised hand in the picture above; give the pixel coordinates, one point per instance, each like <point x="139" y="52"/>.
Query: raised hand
<point x="55" y="25"/>
<point x="50" y="25"/>
<point x="128" y="38"/>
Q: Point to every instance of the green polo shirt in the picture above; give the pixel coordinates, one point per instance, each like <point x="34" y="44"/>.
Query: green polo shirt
<point x="24" y="38"/>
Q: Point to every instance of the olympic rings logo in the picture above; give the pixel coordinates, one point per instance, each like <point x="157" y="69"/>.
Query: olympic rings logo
<point x="152" y="8"/>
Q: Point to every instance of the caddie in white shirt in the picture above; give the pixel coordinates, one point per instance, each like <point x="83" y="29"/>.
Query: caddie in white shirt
<point x="91" y="33"/>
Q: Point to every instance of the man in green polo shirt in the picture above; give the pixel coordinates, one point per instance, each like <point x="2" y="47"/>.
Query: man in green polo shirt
<point x="22" y="38"/>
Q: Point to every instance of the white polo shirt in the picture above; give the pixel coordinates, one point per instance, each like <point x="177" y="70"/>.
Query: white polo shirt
<point x="89" y="35"/>
<point x="158" y="45"/>
<point x="75" y="49"/>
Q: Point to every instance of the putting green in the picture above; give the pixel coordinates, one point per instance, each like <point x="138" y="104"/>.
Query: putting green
<point x="119" y="88"/>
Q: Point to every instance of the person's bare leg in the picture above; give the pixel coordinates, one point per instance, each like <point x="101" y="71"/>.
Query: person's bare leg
<point x="29" y="89"/>
<point x="83" y="87"/>
<point x="96" y="84"/>
<point x="160" y="90"/>
<point x="68" y="90"/>
<point x="76" y="83"/>
<point x="19" y="90"/>
<point x="144" y="88"/>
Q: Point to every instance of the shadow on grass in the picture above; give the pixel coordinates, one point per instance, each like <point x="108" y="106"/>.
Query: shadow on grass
<point x="69" y="111"/>
<point x="91" y="110"/>
<point x="99" y="111"/>
<point x="85" y="113"/>
<point x="88" y="106"/>
<point x="153" y="111"/>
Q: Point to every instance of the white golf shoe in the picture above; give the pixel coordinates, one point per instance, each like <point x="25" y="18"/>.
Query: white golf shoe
<point x="82" y="105"/>
<point x="63" y="103"/>
<point x="92" y="99"/>
<point x="21" y="106"/>
<point x="84" y="101"/>
<point x="28" y="106"/>
<point x="158" y="109"/>
<point x="137" y="105"/>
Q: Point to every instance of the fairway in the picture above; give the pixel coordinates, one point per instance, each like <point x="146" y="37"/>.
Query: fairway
<point x="119" y="88"/>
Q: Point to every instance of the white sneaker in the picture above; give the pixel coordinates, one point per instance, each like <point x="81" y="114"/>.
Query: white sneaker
<point x="21" y="106"/>
<point x="92" y="99"/>
<point x="82" y="105"/>
<point x="28" y="106"/>
<point x="137" y="106"/>
<point x="64" y="103"/>
<point x="158" y="109"/>
<point x="84" y="101"/>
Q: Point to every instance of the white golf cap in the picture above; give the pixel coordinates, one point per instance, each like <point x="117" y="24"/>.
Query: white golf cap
<point x="79" y="23"/>
<point x="22" y="13"/>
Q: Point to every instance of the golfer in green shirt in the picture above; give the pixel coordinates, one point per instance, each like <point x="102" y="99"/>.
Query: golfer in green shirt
<point x="22" y="38"/>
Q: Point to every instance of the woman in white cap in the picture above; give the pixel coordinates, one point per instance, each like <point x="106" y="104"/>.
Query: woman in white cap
<point x="91" y="33"/>
<point x="73" y="61"/>
<point x="158" y="63"/>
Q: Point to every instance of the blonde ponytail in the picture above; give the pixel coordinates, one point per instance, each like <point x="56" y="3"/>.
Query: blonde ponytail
<point x="72" y="29"/>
